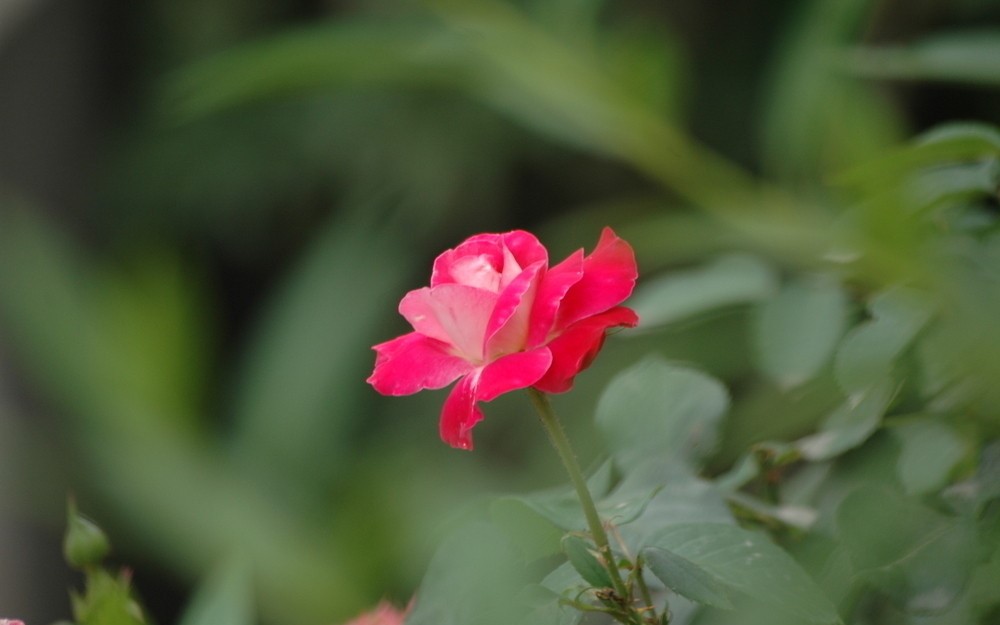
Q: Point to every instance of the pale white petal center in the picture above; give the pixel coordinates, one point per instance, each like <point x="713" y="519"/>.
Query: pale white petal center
<point x="476" y="271"/>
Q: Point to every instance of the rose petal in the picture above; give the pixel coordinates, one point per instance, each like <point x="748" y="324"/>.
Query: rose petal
<point x="477" y="271"/>
<point x="384" y="614"/>
<point x="414" y="362"/>
<point x="460" y="413"/>
<point x="525" y="249"/>
<point x="551" y="290"/>
<point x="609" y="275"/>
<point x="493" y="250"/>
<point x="576" y="347"/>
<point x="453" y="313"/>
<point x="486" y="246"/>
<point x="507" y="330"/>
<point x="511" y="269"/>
<point x="512" y="372"/>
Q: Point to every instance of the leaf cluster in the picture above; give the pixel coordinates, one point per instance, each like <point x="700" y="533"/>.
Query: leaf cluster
<point x="824" y="333"/>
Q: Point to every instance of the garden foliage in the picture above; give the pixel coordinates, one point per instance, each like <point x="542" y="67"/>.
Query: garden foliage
<point x="803" y="428"/>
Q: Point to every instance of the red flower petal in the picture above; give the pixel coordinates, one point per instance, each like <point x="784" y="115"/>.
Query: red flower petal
<point x="576" y="347"/>
<point x="460" y="413"/>
<point x="512" y="372"/>
<point x="414" y="362"/>
<point x="609" y="275"/>
<point x="551" y="290"/>
<point x="525" y="247"/>
<point x="488" y="250"/>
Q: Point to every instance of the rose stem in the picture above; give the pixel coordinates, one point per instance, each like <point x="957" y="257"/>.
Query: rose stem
<point x="558" y="437"/>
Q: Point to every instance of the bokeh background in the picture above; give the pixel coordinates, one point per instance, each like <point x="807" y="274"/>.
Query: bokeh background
<point x="210" y="209"/>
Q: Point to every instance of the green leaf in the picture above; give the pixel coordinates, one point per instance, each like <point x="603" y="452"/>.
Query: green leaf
<point x="959" y="141"/>
<point x="547" y="85"/>
<point x="546" y="608"/>
<point x="944" y="381"/>
<point x="564" y="578"/>
<point x="930" y="450"/>
<point x="121" y="350"/>
<point x="968" y="497"/>
<point x="532" y="531"/>
<point x="225" y="598"/>
<point x="644" y="59"/>
<point x="571" y="19"/>
<point x="982" y="595"/>
<point x="988" y="473"/>
<point x="154" y="474"/>
<point x="800" y="517"/>
<point x="955" y="142"/>
<point x="107" y="600"/>
<point x="945" y="185"/>
<point x="582" y="557"/>
<point x="814" y="119"/>
<point x="553" y="508"/>
<point x="153" y="319"/>
<point x="686" y="578"/>
<point x="850" y="424"/>
<point x="345" y="53"/>
<point x="620" y="507"/>
<point x="625" y="505"/>
<point x="491" y="52"/>
<point x="869" y="351"/>
<point x="658" y="409"/>
<point x="743" y="471"/>
<point x="797" y="331"/>
<point x="52" y="324"/>
<point x="292" y="402"/>
<point x="727" y="281"/>
<point x="472" y="579"/>
<point x="750" y="563"/>
<point x="682" y="497"/>
<point x="920" y="557"/>
<point x="971" y="58"/>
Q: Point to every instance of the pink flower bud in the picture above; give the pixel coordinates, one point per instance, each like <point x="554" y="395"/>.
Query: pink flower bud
<point x="383" y="614"/>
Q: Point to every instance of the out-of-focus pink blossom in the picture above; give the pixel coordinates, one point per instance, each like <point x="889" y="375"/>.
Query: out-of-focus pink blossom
<point x="384" y="614"/>
<point x="4" y="621"/>
<point x="497" y="318"/>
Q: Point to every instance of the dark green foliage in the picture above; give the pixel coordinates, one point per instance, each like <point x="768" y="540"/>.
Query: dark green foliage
<point x="815" y="371"/>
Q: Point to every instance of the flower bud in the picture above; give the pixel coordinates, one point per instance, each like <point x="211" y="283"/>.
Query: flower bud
<point x="85" y="543"/>
<point x="384" y="614"/>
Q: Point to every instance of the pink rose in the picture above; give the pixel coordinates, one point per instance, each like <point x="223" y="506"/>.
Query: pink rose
<point x="498" y="318"/>
<point x="4" y="621"/>
<point x="384" y="614"/>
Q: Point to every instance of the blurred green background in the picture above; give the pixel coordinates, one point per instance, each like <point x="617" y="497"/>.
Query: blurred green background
<point x="209" y="211"/>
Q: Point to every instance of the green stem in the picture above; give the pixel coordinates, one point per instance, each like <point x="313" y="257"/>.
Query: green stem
<point x="558" y="437"/>
<point x="647" y="597"/>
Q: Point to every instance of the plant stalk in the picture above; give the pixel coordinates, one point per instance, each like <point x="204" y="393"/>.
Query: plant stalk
<point x="559" y="440"/>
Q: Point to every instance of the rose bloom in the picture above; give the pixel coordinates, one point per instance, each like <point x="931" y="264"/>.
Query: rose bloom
<point x="497" y="318"/>
<point x="384" y="614"/>
<point x="4" y="621"/>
